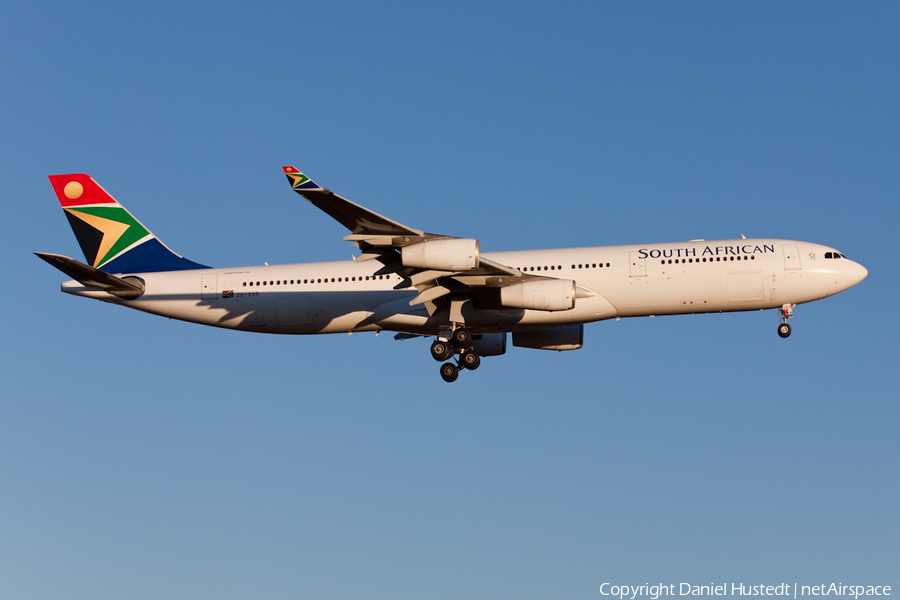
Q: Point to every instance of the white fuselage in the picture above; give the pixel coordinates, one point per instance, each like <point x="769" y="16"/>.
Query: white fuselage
<point x="627" y="281"/>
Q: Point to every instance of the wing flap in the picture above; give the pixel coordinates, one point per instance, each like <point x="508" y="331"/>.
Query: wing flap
<point x="429" y="295"/>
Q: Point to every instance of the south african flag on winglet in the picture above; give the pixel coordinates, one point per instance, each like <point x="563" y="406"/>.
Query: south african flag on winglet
<point x="298" y="180"/>
<point x="228" y="293"/>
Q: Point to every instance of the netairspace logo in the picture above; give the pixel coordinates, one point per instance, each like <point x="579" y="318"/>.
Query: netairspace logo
<point x="654" y="592"/>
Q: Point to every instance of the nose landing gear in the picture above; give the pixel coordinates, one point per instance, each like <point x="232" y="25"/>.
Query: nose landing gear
<point x="458" y="342"/>
<point x="787" y="311"/>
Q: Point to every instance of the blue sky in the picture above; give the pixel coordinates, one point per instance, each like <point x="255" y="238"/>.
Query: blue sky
<point x="147" y="458"/>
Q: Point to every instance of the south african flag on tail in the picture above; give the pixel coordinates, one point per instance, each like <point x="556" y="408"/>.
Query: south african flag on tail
<point x="110" y="237"/>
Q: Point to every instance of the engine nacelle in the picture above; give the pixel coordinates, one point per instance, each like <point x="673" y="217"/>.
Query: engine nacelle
<point x="570" y="337"/>
<point x="540" y="294"/>
<point x="443" y="255"/>
<point x="490" y="344"/>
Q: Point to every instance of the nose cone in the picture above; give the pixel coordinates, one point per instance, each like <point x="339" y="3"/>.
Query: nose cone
<point x="859" y="273"/>
<point x="844" y="274"/>
<point x="849" y="273"/>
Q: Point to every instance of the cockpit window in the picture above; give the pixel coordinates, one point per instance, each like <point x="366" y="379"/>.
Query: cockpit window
<point x="834" y="255"/>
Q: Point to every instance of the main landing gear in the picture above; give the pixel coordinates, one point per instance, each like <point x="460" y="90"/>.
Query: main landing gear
<point x="787" y="311"/>
<point x="458" y="342"/>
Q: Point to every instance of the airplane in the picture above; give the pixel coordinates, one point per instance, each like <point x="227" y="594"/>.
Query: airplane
<point x="419" y="284"/>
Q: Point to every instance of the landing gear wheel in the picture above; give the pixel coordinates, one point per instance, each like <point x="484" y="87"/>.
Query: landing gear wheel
<point x="449" y="372"/>
<point x="470" y="360"/>
<point x="462" y="338"/>
<point x="784" y="330"/>
<point x="441" y="351"/>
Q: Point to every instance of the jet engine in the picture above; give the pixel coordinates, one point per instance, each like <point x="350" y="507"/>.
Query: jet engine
<point x="570" y="337"/>
<point x="540" y="294"/>
<point x="443" y="255"/>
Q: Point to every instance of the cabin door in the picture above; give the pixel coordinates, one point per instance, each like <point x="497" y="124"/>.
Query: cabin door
<point x="638" y="265"/>
<point x="791" y="256"/>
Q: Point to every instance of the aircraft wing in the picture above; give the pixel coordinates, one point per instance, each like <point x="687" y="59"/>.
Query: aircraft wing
<point x="383" y="239"/>
<point x="349" y="214"/>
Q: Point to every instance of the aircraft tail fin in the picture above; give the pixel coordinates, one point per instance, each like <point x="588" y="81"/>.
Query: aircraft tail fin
<point x="112" y="240"/>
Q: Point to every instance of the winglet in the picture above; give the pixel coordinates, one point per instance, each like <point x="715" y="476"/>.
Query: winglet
<point x="356" y="218"/>
<point x="299" y="181"/>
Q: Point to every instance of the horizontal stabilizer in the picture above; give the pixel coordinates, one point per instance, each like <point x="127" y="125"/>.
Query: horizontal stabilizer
<point x="129" y="288"/>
